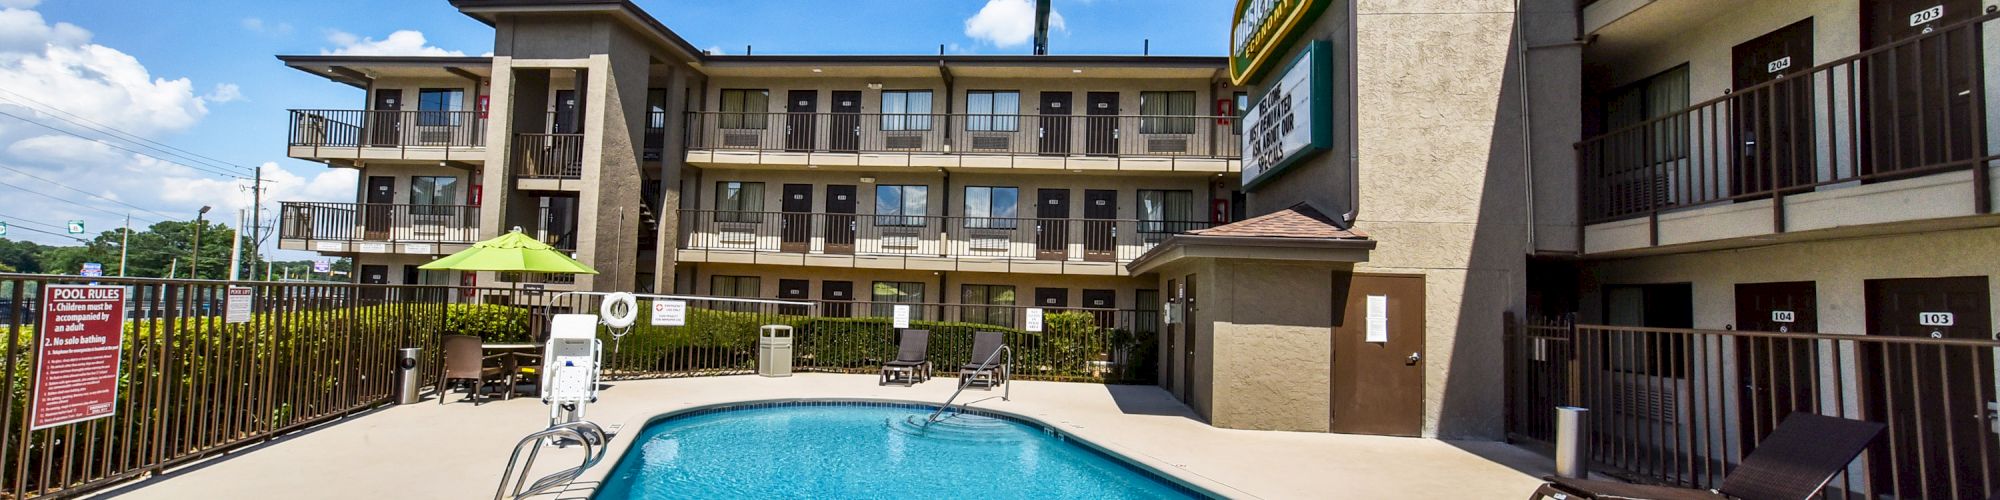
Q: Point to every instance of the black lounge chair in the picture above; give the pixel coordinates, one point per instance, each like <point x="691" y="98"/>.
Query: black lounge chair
<point x="1795" y="461"/>
<point x="912" y="363"/>
<point x="987" y="368"/>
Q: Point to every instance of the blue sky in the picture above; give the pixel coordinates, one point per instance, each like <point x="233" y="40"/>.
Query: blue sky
<point x="200" y="76"/>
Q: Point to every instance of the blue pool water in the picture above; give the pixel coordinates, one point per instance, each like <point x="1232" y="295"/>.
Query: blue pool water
<point x="865" y="451"/>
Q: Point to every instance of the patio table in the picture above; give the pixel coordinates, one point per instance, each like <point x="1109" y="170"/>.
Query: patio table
<point x="516" y="354"/>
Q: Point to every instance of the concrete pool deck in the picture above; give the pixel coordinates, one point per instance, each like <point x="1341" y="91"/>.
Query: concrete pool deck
<point x="457" y="450"/>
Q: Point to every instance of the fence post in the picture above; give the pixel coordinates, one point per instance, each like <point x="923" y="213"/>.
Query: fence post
<point x="1574" y="390"/>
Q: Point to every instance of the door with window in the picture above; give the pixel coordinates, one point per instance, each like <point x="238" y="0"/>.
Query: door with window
<point x="1773" y="125"/>
<point x="1934" y="398"/>
<point x="1918" y="107"/>
<point x="1100" y="136"/>
<point x="1052" y="224"/>
<point x="1054" y="130"/>
<point x="386" y="122"/>
<point x="796" y="223"/>
<point x="800" y="119"/>
<point x="839" y="224"/>
<point x="381" y="209"/>
<point x="1100" y="225"/>
<point x="1774" y="377"/>
<point x="843" y="132"/>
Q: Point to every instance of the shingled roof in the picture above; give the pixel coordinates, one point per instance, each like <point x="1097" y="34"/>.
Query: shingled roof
<point x="1298" y="221"/>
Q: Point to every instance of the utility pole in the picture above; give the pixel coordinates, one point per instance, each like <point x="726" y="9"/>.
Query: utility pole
<point x="194" y="266"/>
<point x="124" y="243"/>
<point x="256" y="218"/>
<point x="174" y="269"/>
<point x="236" y="249"/>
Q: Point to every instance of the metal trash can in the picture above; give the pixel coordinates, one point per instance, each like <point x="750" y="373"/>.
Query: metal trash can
<point x="406" y="376"/>
<point x="774" y="351"/>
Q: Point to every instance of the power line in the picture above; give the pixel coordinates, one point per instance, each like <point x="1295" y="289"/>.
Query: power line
<point x="211" y="170"/>
<point x="52" y="233"/>
<point x="110" y="130"/>
<point x="12" y="220"/>
<point x="72" y="202"/>
<point x="85" y="193"/>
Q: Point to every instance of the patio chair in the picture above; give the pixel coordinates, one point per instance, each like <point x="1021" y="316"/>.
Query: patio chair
<point x="912" y="363"/>
<point x="465" y="361"/>
<point x="985" y="346"/>
<point x="1795" y="461"/>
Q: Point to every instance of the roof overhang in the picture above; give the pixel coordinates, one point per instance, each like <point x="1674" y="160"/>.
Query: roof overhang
<point x="489" y="12"/>
<point x="360" y="70"/>
<point x="1189" y="246"/>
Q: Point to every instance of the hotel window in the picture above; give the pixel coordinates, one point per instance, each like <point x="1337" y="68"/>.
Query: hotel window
<point x="901" y="205"/>
<point x="738" y="201"/>
<point x="435" y="107"/>
<point x="1242" y="105"/>
<point x="433" y="195"/>
<point x="991" y="207"/>
<point x="1163" y="212"/>
<point x="1653" y="97"/>
<point x="992" y="110"/>
<point x="889" y="293"/>
<point x="1167" y="112"/>
<point x="745" y="108"/>
<point x="735" y="286"/>
<point x="906" y="110"/>
<point x="978" y="299"/>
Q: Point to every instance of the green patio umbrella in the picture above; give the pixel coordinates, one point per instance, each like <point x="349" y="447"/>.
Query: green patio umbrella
<point x="510" y="252"/>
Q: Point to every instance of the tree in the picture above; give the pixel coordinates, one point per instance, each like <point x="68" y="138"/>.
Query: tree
<point x="167" y="247"/>
<point x="4" y="268"/>
<point x="21" y="255"/>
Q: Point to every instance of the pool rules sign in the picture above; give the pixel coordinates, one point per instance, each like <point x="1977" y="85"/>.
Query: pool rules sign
<point x="78" y="354"/>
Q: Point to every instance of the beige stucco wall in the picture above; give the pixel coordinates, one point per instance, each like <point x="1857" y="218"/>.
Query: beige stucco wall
<point x="1272" y="344"/>
<point x="1024" y="284"/>
<point x="1656" y="38"/>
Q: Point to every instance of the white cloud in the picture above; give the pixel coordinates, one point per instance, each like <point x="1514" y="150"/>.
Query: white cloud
<point x="257" y="25"/>
<point x="24" y="31"/>
<point x="19" y="4"/>
<point x="1009" y="23"/>
<point x="224" y="92"/>
<point x="400" y="43"/>
<point x="714" y="49"/>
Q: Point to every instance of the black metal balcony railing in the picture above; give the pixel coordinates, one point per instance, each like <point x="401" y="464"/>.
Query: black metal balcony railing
<point x="1060" y="135"/>
<point x="355" y="129"/>
<point x="1087" y="240"/>
<point x="1911" y="108"/>
<point x="379" y="222"/>
<point x="548" y="156"/>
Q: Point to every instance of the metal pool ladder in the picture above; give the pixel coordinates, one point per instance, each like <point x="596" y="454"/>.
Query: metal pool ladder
<point x="1006" y="380"/>
<point x="589" y="434"/>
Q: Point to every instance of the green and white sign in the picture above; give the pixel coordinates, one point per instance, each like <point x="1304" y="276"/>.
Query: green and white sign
<point x="3" y="229"/>
<point x="76" y="227"/>
<point x="1293" y="119"/>
<point x="1263" y="30"/>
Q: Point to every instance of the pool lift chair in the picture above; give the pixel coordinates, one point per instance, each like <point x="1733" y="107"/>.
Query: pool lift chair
<point x="570" y="375"/>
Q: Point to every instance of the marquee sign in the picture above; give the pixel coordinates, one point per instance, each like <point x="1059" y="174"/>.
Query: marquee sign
<point x="1293" y="119"/>
<point x="1262" y="30"/>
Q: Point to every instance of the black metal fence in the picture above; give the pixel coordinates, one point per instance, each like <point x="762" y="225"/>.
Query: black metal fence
<point x="345" y="222"/>
<point x="330" y="130"/>
<point x="1683" y="407"/>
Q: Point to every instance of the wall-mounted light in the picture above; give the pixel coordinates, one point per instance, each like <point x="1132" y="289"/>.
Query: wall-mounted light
<point x="868" y="180"/>
<point x="817" y="70"/>
<point x="874" y="86"/>
<point x="1076" y="71"/>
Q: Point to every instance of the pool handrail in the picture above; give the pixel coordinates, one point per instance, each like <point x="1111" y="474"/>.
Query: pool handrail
<point x="1006" y="381"/>
<point x="588" y="433"/>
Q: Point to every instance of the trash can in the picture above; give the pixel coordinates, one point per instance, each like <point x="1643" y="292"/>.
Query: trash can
<point x="406" y="376"/>
<point x="774" y="351"/>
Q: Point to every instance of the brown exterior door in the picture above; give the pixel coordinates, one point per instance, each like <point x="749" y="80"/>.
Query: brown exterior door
<point x="795" y="290"/>
<point x="795" y="230"/>
<point x="1052" y="299"/>
<point x="843" y="133"/>
<point x="799" y="119"/>
<point x="1918" y="107"/>
<point x="1190" y="344"/>
<point x="374" y="275"/>
<point x="1378" y="383"/>
<point x="835" y="297"/>
<point x="1103" y="305"/>
<point x="1773" y="126"/>
<point x="1100" y="227"/>
<point x="1774" y="377"/>
<point x="568" y="119"/>
<point x="379" y="212"/>
<point x="1101" y="129"/>
<point x="1935" y="413"/>
<point x="1054" y="130"/>
<point x="387" y="126"/>
<point x="840" y="219"/>
<point x="1052" y="224"/>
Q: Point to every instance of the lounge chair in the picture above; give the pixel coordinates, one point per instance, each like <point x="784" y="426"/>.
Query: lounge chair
<point x="1795" y="461"/>
<point x="985" y="347"/>
<point x="912" y="363"/>
<point x="464" y="361"/>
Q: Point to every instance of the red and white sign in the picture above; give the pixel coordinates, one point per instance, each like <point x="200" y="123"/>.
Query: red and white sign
<point x="80" y="346"/>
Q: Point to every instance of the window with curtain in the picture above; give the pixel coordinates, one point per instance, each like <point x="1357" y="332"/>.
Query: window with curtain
<point x="889" y="293"/>
<point x="739" y="201"/>
<point x="735" y="286"/>
<point x="432" y="195"/>
<point x="992" y="110"/>
<point x="1656" y="96"/>
<point x="978" y="299"/>
<point x="1164" y="212"/>
<point x="991" y="207"/>
<point x="744" y="108"/>
<point x="435" y="107"/>
<point x="901" y="205"/>
<point x="1162" y="111"/>
<point x="906" y="110"/>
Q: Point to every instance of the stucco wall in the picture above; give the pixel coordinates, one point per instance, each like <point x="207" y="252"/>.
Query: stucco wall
<point x="1272" y="345"/>
<point x="1024" y="284"/>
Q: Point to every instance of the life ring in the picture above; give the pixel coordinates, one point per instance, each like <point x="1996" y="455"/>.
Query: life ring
<point x="615" y="318"/>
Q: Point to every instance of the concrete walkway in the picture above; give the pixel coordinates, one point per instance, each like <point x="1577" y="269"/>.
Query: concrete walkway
<point x="457" y="450"/>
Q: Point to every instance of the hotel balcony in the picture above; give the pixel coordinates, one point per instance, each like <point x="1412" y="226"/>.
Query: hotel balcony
<point x="543" y="161"/>
<point x="1891" y="139"/>
<point x="349" y="136"/>
<point x="347" y="228"/>
<point x="930" y="243"/>
<point x="1105" y="143"/>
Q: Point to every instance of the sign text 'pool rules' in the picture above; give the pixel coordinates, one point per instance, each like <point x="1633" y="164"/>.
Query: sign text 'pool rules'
<point x="79" y="349"/>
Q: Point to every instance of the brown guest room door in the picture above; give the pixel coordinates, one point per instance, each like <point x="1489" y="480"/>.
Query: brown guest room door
<point x="1378" y="383"/>
<point x="1775" y="377"/>
<point x="1935" y="410"/>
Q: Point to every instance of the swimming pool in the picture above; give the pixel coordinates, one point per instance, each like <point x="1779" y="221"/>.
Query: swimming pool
<point x="847" y="449"/>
